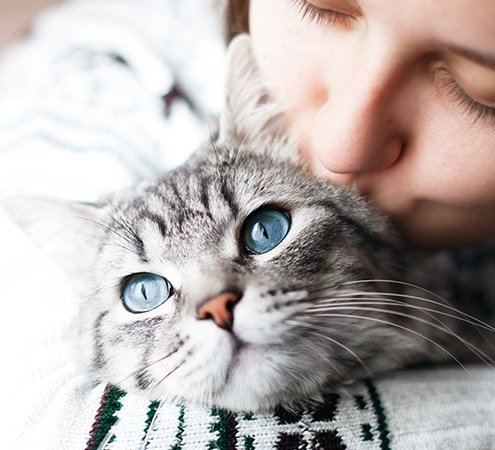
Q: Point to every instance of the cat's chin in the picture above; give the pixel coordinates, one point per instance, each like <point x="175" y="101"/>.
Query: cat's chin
<point x="253" y="378"/>
<point x="261" y="379"/>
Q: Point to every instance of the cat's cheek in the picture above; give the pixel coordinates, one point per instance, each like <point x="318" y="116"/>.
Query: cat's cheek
<point x="262" y="320"/>
<point x="261" y="330"/>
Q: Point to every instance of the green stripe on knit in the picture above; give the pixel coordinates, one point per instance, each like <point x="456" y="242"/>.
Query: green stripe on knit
<point x="366" y="432"/>
<point x="150" y="415"/>
<point x="249" y="443"/>
<point x="108" y="418"/>
<point x="380" y="414"/>
<point x="180" y="429"/>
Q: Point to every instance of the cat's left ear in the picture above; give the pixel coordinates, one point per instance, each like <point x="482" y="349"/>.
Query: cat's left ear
<point x="250" y="117"/>
<point x="67" y="231"/>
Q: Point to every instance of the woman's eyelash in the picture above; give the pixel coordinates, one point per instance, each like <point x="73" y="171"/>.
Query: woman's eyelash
<point x="476" y="110"/>
<point x="317" y="15"/>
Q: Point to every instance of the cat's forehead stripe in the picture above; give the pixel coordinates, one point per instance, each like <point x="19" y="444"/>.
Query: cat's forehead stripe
<point x="229" y="197"/>
<point x="157" y="219"/>
<point x="99" y="359"/>
<point x="204" y="193"/>
<point x="141" y="249"/>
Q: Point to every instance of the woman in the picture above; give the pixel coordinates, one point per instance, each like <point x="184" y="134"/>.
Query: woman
<point x="396" y="98"/>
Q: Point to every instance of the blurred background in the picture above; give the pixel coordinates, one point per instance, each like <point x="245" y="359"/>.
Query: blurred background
<point x="15" y="16"/>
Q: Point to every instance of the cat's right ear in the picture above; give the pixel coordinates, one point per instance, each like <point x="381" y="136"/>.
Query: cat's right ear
<point x="67" y="231"/>
<point x="250" y="117"/>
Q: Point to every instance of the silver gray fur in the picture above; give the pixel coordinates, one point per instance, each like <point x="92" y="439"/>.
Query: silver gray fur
<point x="315" y="313"/>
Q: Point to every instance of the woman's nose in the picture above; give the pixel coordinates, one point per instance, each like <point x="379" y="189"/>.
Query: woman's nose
<point x="359" y="128"/>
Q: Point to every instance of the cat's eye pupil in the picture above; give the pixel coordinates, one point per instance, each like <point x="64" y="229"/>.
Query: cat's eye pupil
<point x="259" y="232"/>
<point x="264" y="229"/>
<point x="144" y="292"/>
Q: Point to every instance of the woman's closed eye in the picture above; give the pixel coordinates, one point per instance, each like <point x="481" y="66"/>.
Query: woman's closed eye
<point x="321" y="16"/>
<point x="477" y="110"/>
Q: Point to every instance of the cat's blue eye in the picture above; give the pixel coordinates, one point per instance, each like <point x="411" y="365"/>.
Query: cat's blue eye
<point x="145" y="292"/>
<point x="264" y="229"/>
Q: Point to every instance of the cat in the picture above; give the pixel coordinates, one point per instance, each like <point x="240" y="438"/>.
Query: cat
<point x="239" y="280"/>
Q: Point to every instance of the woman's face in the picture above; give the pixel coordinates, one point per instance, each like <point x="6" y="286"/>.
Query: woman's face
<point x="395" y="97"/>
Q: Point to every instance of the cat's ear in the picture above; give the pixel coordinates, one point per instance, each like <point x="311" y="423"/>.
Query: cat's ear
<point x="67" y="231"/>
<point x="250" y="114"/>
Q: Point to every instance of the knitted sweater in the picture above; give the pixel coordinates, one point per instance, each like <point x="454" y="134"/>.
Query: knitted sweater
<point x="100" y="94"/>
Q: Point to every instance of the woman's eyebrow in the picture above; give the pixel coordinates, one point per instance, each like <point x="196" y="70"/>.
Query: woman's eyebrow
<point x="482" y="59"/>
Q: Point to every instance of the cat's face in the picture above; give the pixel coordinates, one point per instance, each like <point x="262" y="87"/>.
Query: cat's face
<point x="213" y="285"/>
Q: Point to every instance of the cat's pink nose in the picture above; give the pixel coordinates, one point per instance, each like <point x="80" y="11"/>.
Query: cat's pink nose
<point x="220" y="309"/>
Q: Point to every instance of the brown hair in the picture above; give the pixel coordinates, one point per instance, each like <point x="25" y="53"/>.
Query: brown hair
<point x="236" y="18"/>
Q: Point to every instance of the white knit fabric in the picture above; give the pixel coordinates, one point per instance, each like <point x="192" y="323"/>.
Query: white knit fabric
<point x="81" y="114"/>
<point x="63" y="94"/>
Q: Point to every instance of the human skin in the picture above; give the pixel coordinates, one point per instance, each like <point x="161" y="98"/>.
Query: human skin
<point x="396" y="98"/>
<point x="16" y="17"/>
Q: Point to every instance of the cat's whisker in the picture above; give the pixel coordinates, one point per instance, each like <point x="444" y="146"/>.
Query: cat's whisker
<point x="398" y="282"/>
<point x="356" y="304"/>
<point x="356" y="298"/>
<point x="118" y="219"/>
<point x="319" y="330"/>
<point x="241" y="149"/>
<point x="170" y="373"/>
<point x="361" y="299"/>
<point x="123" y="247"/>
<point x="145" y="368"/>
<point x="339" y="293"/>
<point x="106" y="227"/>
<point x="409" y="330"/>
<point x="206" y="119"/>
<point x="476" y="323"/>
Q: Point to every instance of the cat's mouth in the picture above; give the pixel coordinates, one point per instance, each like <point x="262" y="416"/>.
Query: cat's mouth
<point x="239" y="344"/>
<point x="239" y="347"/>
<point x="243" y="353"/>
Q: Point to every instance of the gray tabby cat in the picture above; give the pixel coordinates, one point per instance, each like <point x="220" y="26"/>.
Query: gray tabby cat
<point x="241" y="281"/>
